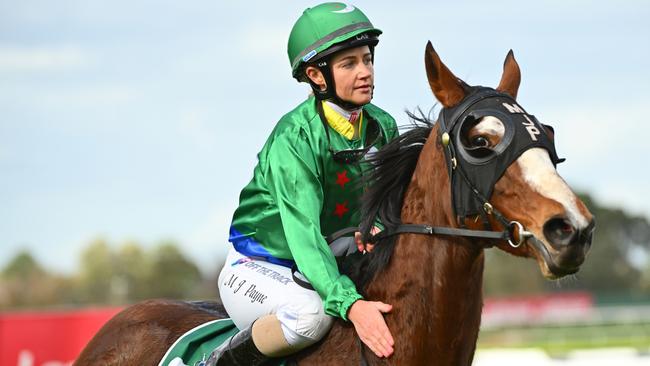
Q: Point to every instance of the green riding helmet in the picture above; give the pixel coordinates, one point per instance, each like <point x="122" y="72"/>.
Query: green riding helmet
<point x="325" y="29"/>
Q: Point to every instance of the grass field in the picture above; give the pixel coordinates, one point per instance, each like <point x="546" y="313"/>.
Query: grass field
<point x="537" y="357"/>
<point x="558" y="341"/>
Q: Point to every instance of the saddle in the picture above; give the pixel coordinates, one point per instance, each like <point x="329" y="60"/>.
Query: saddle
<point x="194" y="347"/>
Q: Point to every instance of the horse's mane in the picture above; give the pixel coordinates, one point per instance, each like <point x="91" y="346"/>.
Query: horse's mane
<point x="387" y="178"/>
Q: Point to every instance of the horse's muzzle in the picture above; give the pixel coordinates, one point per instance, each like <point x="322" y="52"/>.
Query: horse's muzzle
<point x="570" y="243"/>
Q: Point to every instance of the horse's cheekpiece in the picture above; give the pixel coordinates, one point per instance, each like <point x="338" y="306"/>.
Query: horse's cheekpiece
<point x="475" y="170"/>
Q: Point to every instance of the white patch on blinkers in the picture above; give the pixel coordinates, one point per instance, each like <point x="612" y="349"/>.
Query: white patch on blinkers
<point x="490" y="125"/>
<point x="538" y="171"/>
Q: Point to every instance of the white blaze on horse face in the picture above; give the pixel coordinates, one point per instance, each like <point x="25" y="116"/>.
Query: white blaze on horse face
<point x="540" y="174"/>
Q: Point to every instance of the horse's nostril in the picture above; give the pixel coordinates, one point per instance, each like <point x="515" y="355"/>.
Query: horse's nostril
<point x="559" y="231"/>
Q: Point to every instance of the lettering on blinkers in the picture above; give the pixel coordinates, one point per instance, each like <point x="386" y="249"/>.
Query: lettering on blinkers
<point x="475" y="170"/>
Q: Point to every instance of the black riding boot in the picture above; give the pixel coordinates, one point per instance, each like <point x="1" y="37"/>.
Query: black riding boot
<point x="239" y="350"/>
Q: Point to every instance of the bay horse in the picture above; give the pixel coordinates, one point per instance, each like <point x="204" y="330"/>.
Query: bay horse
<point x="428" y="188"/>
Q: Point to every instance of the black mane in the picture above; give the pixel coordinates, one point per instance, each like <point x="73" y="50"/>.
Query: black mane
<point x="388" y="177"/>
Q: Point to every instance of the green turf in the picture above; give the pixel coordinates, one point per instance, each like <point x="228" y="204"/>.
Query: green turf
<point x="559" y="340"/>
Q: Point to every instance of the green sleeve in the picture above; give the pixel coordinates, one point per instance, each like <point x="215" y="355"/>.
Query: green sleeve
<point x="293" y="183"/>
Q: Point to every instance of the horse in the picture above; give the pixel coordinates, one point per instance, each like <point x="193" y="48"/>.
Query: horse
<point x="428" y="188"/>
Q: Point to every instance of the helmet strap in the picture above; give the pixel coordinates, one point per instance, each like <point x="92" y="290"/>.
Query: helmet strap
<point x="330" y="89"/>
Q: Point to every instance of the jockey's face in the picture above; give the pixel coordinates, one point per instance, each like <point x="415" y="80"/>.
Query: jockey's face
<point x="353" y="75"/>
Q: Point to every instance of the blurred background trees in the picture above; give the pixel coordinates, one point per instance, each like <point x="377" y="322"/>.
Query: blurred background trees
<point x="107" y="275"/>
<point x="616" y="269"/>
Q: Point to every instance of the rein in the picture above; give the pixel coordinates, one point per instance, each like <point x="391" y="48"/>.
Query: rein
<point x="425" y="229"/>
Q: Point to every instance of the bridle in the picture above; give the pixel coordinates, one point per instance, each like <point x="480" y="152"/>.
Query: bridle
<point x="474" y="172"/>
<point x="466" y="171"/>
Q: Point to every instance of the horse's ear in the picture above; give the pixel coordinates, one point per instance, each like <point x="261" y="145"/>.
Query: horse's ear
<point x="447" y="88"/>
<point x="511" y="76"/>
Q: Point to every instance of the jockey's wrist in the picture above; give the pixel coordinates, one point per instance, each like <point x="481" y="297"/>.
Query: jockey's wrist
<point x="347" y="305"/>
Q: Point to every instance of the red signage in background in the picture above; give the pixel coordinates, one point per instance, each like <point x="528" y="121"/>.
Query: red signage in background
<point x="56" y="338"/>
<point x="52" y="338"/>
<point x="564" y="307"/>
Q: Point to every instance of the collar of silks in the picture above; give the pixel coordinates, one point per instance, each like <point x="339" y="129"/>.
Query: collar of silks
<point x="343" y="121"/>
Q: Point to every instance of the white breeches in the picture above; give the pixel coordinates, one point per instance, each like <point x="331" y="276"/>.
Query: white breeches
<point x="253" y="288"/>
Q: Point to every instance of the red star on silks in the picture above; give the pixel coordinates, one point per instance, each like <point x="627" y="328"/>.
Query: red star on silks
<point x="341" y="209"/>
<point x="342" y="178"/>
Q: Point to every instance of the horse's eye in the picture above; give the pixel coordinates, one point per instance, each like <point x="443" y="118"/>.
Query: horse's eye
<point x="480" y="141"/>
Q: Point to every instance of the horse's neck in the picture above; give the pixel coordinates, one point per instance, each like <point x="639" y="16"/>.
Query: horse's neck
<point x="435" y="282"/>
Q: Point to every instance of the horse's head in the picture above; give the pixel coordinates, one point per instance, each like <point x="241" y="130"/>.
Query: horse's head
<point x="502" y="163"/>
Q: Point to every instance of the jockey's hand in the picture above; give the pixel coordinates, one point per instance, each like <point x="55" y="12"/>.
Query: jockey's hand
<point x="365" y="246"/>
<point x="371" y="327"/>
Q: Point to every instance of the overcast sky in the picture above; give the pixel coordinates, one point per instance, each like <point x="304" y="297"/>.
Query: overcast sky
<point x="141" y="120"/>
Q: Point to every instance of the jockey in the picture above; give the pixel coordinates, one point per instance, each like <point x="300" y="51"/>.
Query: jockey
<point x="305" y="187"/>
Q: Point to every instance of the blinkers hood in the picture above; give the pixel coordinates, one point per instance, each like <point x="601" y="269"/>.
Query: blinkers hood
<point x="475" y="170"/>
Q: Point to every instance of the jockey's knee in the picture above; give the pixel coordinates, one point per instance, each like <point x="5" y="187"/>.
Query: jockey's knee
<point x="304" y="324"/>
